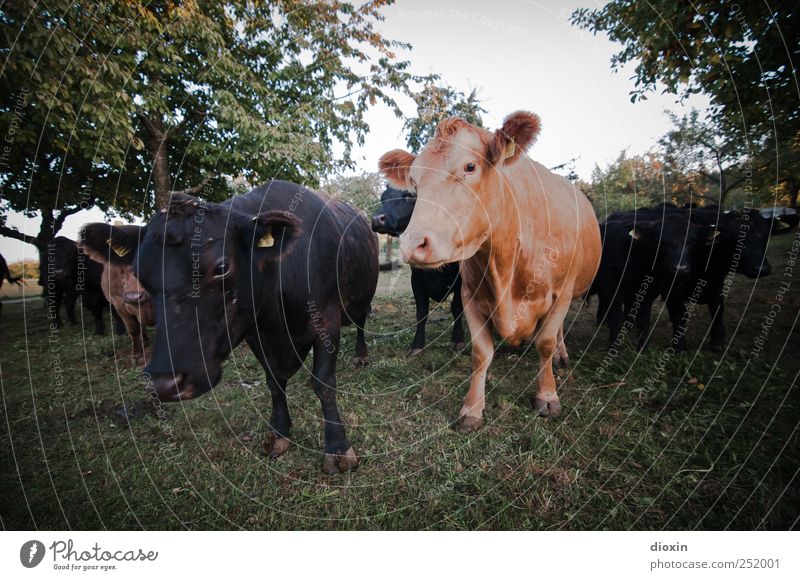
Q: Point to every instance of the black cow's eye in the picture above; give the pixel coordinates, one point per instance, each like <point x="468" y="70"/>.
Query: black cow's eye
<point x="221" y="270"/>
<point x="469" y="167"/>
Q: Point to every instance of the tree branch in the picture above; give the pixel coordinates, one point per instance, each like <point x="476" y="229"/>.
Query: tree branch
<point x="62" y="216"/>
<point x="196" y="189"/>
<point x="18" y="235"/>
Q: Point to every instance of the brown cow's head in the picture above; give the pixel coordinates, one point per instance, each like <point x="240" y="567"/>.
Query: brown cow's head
<point x="103" y="243"/>
<point x="457" y="181"/>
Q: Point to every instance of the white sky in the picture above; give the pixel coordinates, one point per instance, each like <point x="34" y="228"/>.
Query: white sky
<point x="519" y="55"/>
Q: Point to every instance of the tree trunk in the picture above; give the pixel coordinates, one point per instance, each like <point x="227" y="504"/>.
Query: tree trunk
<point x="388" y="249"/>
<point x="157" y="142"/>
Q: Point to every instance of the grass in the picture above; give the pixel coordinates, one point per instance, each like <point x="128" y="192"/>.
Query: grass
<point x="698" y="441"/>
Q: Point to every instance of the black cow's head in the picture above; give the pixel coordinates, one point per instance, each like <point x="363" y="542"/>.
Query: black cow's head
<point x="395" y="213"/>
<point x="751" y="231"/>
<point x="58" y="261"/>
<point x="203" y="265"/>
<point x="668" y="243"/>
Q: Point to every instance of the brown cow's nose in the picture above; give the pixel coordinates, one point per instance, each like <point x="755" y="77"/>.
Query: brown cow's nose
<point x="415" y="248"/>
<point x="134" y="297"/>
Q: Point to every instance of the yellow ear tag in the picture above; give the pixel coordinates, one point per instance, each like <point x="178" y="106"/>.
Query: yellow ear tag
<point x="634" y="234"/>
<point x="266" y="241"/>
<point x="713" y="238"/>
<point x="511" y="148"/>
<point x="118" y="250"/>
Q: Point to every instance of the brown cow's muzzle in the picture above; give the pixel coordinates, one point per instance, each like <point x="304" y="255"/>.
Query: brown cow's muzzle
<point x="136" y="297"/>
<point x="417" y="249"/>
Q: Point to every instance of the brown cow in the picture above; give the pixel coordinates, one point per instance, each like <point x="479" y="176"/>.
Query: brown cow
<point x="527" y="239"/>
<point x="120" y="285"/>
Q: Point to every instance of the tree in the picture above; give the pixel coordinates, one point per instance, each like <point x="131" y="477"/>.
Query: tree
<point x="627" y="183"/>
<point x="125" y="102"/>
<point x="691" y="150"/>
<point x="742" y="56"/>
<point x="362" y="191"/>
<point x="435" y="103"/>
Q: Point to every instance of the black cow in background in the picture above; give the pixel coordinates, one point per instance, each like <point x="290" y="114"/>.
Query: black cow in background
<point x="282" y="268"/>
<point x="65" y="273"/>
<point x="392" y="219"/>
<point x="646" y="254"/>
<point x="5" y="274"/>
<point x="735" y="242"/>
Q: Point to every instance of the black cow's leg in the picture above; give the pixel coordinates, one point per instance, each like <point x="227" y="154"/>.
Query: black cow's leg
<point x="677" y="316"/>
<point x="99" y="324"/>
<point x="457" y="310"/>
<point x="643" y="323"/>
<point x="362" y="354"/>
<point x="70" y="298"/>
<point x="54" y="300"/>
<point x="614" y="316"/>
<point x="119" y="324"/>
<point x="717" y="310"/>
<point x="339" y="455"/>
<point x="278" y="439"/>
<point x="421" y="300"/>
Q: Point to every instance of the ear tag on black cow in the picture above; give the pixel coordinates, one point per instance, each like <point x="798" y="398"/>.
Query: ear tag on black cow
<point x="713" y="238"/>
<point x="120" y="251"/>
<point x="511" y="148"/>
<point x="634" y="234"/>
<point x="266" y="241"/>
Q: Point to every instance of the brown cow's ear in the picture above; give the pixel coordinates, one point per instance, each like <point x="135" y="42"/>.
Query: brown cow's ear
<point x="518" y="132"/>
<point x="106" y="243"/>
<point x="273" y="235"/>
<point x="396" y="166"/>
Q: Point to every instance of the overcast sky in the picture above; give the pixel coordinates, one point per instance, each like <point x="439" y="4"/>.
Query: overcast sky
<point x="519" y="55"/>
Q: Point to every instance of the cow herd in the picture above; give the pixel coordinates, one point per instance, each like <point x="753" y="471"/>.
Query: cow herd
<point x="284" y="268"/>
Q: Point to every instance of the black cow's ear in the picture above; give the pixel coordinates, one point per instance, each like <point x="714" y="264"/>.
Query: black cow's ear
<point x="106" y="243"/>
<point x="273" y="234"/>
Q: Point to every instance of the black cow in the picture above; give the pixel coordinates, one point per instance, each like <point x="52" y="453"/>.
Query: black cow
<point x="392" y="219"/>
<point x="282" y="268"/>
<point x="735" y="242"/>
<point x="5" y="274"/>
<point x="646" y="254"/>
<point x="66" y="273"/>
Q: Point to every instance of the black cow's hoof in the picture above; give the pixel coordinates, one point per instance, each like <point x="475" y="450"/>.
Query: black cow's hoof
<point x="715" y="346"/>
<point x="466" y="424"/>
<point x="361" y="361"/>
<point x="547" y="408"/>
<point x="334" y="463"/>
<point x="415" y="351"/>
<point x="275" y="446"/>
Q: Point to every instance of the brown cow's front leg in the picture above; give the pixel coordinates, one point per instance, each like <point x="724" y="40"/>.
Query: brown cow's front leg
<point x="546" y="341"/>
<point x="470" y="417"/>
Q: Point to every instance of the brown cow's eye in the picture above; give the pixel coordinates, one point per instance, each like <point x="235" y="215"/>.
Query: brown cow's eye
<point x="469" y="167"/>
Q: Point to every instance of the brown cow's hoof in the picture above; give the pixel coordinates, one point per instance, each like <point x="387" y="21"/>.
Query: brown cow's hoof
<point x="466" y="424"/>
<point x="275" y="446"/>
<point x="334" y="463"/>
<point x="459" y="345"/>
<point x="415" y="351"/>
<point x="547" y="408"/>
<point x="361" y="361"/>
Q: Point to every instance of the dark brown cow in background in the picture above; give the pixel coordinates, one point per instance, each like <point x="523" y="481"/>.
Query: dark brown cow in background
<point x="119" y="284"/>
<point x="527" y="239"/>
<point x="5" y="274"/>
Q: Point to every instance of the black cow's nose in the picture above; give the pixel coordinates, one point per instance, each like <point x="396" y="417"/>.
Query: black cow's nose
<point x="378" y="221"/>
<point x="171" y="387"/>
<point x="681" y="269"/>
